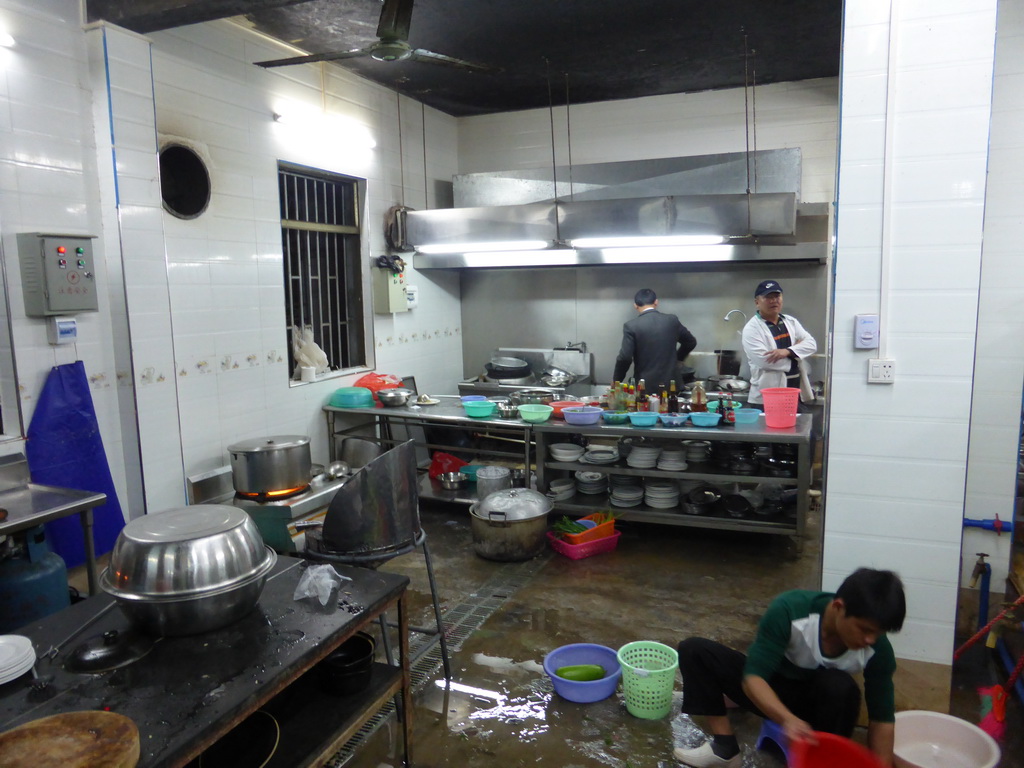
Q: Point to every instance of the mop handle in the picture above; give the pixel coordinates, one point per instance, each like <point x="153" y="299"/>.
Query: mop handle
<point x="981" y="632"/>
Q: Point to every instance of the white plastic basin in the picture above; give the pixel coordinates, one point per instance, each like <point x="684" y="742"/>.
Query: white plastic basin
<point x="935" y="740"/>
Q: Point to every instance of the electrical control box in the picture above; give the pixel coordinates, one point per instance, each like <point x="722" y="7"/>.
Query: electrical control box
<point x="58" y="274"/>
<point x="389" y="289"/>
<point x="865" y="331"/>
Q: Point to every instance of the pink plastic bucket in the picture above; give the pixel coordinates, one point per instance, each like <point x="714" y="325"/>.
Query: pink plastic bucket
<point x="780" y="404"/>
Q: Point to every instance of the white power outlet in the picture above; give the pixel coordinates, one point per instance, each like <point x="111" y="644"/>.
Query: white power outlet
<point x="881" y="370"/>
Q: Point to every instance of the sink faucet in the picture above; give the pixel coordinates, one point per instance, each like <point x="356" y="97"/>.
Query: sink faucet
<point x="729" y="314"/>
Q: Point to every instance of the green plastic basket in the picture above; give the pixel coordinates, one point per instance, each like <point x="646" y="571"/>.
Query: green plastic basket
<point x="648" y="678"/>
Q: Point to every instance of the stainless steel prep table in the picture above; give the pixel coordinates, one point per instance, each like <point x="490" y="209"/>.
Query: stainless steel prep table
<point x="800" y="435"/>
<point x="29" y="504"/>
<point x="188" y="692"/>
<point x="449" y="412"/>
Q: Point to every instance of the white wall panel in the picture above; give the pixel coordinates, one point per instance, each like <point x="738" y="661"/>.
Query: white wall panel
<point x="906" y="438"/>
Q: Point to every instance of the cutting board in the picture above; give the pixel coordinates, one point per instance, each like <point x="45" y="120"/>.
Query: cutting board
<point x="72" y="740"/>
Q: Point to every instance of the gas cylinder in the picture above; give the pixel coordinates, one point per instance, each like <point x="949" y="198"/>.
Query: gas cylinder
<point x="33" y="580"/>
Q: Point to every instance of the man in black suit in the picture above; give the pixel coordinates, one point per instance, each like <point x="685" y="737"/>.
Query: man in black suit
<point x="649" y="343"/>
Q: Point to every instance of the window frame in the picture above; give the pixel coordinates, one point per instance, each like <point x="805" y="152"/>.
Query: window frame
<point x="357" y="284"/>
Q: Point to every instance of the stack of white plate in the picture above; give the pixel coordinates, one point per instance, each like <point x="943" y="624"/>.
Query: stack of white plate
<point x="561" y="490"/>
<point x="601" y="455"/>
<point x="672" y="460"/>
<point x="16" y="657"/>
<point x="624" y="481"/>
<point x="566" y="451"/>
<point x="661" y="495"/>
<point x="591" y="483"/>
<point x="643" y="457"/>
<point x="626" y="495"/>
<point x="697" y="451"/>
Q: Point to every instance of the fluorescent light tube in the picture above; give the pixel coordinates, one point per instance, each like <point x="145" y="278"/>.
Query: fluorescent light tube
<point x="643" y="242"/>
<point x="502" y="245"/>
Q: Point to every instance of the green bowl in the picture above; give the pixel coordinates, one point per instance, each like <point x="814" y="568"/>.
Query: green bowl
<point x="535" y="413"/>
<point x="615" y="417"/>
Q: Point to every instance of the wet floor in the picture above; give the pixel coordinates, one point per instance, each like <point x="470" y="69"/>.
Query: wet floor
<point x="660" y="584"/>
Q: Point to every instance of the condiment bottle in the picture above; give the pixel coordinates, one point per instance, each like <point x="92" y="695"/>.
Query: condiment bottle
<point x="641" y="396"/>
<point x="662" y="399"/>
<point x="653" y="404"/>
<point x="673" y="398"/>
<point x="698" y="398"/>
<point x="630" y="397"/>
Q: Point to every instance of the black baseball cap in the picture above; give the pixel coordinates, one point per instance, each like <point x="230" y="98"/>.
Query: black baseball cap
<point x="767" y="286"/>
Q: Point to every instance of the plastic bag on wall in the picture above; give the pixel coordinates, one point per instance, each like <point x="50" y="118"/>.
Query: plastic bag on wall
<point x="64" y="449"/>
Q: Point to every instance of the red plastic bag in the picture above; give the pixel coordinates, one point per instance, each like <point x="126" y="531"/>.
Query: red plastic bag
<point x="378" y="381"/>
<point x="445" y="462"/>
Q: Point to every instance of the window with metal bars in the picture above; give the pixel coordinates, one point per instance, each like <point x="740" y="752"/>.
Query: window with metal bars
<point x="322" y="263"/>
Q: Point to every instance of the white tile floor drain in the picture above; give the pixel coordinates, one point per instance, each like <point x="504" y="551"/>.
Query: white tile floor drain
<point x="460" y="622"/>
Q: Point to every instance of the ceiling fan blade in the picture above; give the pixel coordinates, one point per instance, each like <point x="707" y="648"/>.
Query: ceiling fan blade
<point x="395" y="20"/>
<point x="315" y="57"/>
<point x="419" y="54"/>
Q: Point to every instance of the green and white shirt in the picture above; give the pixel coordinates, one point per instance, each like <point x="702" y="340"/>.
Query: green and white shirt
<point x="788" y="643"/>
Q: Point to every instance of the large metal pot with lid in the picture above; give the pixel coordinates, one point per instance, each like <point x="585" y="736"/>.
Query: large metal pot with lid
<point x="529" y="396"/>
<point x="268" y="464"/>
<point x="511" y="524"/>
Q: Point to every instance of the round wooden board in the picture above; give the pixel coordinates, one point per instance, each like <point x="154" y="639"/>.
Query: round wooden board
<point x="72" y="740"/>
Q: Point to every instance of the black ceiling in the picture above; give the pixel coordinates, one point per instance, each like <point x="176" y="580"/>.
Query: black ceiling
<point x="547" y="51"/>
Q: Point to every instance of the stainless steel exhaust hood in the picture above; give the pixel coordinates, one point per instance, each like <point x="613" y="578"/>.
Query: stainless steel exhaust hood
<point x="599" y="226"/>
<point x="690" y="228"/>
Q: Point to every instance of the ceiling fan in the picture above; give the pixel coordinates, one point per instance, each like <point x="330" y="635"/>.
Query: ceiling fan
<point x="391" y="45"/>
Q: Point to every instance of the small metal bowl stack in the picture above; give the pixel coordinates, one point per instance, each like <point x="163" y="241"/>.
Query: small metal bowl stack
<point x="507" y="410"/>
<point x="189" y="570"/>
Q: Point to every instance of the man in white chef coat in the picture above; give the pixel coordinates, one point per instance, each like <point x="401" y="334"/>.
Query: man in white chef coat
<point x="776" y="346"/>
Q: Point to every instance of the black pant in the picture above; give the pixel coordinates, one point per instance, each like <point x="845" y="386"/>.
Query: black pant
<point x="829" y="701"/>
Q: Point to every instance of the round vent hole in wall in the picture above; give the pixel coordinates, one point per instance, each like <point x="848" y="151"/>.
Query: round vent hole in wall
<point x="184" y="181"/>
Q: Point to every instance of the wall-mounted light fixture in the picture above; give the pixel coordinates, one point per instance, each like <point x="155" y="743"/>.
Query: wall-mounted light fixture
<point x="6" y="39"/>
<point x="338" y="128"/>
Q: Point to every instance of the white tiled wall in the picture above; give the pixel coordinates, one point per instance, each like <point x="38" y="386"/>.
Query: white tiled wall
<point x="999" y="357"/>
<point x="898" y="454"/>
<point x="48" y="173"/>
<point x="224" y="269"/>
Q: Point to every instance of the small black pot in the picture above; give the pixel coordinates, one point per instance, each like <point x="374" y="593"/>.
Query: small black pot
<point x="348" y="669"/>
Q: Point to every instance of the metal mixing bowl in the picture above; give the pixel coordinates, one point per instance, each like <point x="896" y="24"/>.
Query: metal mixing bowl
<point x="453" y="481"/>
<point x="394" y="397"/>
<point x="188" y="570"/>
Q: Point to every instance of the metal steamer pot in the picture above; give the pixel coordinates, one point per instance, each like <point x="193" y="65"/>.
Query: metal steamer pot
<point x="269" y="464"/>
<point x="510" y="525"/>
<point x="532" y="396"/>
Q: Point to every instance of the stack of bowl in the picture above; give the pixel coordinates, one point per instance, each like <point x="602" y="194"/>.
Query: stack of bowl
<point x="352" y="397"/>
<point x="188" y="570"/>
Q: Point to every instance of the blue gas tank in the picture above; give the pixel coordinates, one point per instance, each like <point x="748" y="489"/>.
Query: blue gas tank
<point x="33" y="580"/>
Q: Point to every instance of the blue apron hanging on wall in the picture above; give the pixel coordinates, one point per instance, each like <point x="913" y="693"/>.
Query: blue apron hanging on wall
<point x="64" y="448"/>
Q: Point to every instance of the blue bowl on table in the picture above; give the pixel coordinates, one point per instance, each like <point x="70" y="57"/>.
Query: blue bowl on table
<point x="747" y="415"/>
<point x="643" y="418"/>
<point x="705" y="419"/>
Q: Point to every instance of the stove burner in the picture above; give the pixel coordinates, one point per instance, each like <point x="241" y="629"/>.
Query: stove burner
<point x="264" y="496"/>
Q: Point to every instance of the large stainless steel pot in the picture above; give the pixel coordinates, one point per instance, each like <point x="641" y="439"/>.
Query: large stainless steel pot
<point x="510" y="525"/>
<point x="188" y="570"/>
<point x="270" y="463"/>
<point x="538" y="396"/>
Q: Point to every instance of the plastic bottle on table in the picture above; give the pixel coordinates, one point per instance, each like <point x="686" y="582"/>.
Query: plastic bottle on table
<point x="698" y="398"/>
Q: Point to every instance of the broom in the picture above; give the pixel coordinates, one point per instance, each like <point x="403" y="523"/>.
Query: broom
<point x="993" y="698"/>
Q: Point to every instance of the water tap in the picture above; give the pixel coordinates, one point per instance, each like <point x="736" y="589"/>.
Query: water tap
<point x="979" y="568"/>
<point x="729" y="314"/>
